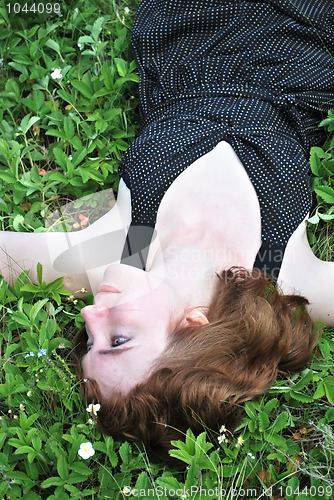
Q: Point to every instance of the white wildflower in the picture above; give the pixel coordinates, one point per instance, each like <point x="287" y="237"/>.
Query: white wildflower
<point x="56" y="74"/>
<point x="240" y="442"/>
<point x="126" y="490"/>
<point x="86" y="450"/>
<point x="93" y="409"/>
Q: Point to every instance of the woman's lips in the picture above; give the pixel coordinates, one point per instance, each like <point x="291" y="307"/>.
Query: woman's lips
<point x="107" y="288"/>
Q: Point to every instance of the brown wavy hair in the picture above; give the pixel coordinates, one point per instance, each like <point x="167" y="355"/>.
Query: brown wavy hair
<point x="207" y="371"/>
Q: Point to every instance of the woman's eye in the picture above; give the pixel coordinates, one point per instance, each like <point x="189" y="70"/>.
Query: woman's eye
<point x="117" y="341"/>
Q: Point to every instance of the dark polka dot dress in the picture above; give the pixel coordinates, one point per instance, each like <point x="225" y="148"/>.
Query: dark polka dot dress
<point x="257" y="74"/>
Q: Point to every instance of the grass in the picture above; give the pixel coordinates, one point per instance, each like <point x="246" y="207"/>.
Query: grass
<point x="61" y="140"/>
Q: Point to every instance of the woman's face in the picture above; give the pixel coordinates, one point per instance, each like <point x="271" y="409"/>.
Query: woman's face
<point x="127" y="327"/>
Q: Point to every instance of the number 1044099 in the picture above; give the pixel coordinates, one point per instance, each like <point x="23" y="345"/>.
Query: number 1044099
<point x="38" y="8"/>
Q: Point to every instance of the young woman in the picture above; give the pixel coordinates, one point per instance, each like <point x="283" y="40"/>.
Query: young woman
<point x="213" y="195"/>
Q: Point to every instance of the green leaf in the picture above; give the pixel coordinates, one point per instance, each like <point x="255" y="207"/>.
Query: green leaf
<point x="66" y="96"/>
<point x="38" y="99"/>
<point x="81" y="468"/>
<point x="315" y="156"/>
<point x="326" y="217"/>
<point x="301" y="397"/>
<point x="75" y="478"/>
<point x="79" y="156"/>
<point x="56" y="133"/>
<point x="107" y="76"/>
<point x="85" y="39"/>
<point x="21" y="319"/>
<point x="326" y="193"/>
<point x="4" y="486"/>
<point x="57" y="176"/>
<point x="314" y="219"/>
<point x="129" y="78"/>
<point x="29" y="288"/>
<point x="324" y="347"/>
<point x="62" y="467"/>
<point x="201" y="446"/>
<point x="263" y="420"/>
<point x="3" y="206"/>
<point x="53" y="45"/>
<point x="276" y="439"/>
<point x="122" y="66"/>
<point x="268" y="408"/>
<point x="39" y="273"/>
<point x="68" y="127"/>
<point x="304" y="381"/>
<point x="52" y="481"/>
<point x="18" y="223"/>
<point x="24" y="449"/>
<point x="28" y="122"/>
<point x="56" y="285"/>
<point x="88" y="173"/>
<point x="111" y="114"/>
<point x="83" y="88"/>
<point x="281" y="422"/>
<point x="61" y="158"/>
<point x="19" y="67"/>
<point x="169" y="482"/>
<point x="329" y="389"/>
<point x="8" y="177"/>
<point x="142" y="482"/>
<point x="36" y="309"/>
<point x="97" y="27"/>
<point x="125" y="452"/>
<point x="20" y="478"/>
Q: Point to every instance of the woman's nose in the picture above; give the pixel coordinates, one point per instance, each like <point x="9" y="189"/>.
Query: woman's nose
<point x="97" y="319"/>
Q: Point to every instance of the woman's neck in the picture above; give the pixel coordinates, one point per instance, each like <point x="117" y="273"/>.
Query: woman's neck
<point x="208" y="220"/>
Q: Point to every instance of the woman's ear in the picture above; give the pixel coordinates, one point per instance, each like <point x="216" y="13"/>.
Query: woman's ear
<point x="194" y="317"/>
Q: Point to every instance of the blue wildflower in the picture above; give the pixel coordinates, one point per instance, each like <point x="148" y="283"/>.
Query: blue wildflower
<point x="41" y="352"/>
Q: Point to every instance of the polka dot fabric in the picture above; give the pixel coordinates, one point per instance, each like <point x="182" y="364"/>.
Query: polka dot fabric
<point x="257" y="74"/>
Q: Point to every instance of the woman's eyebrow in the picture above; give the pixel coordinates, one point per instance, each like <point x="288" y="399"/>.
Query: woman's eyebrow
<point x="114" y="351"/>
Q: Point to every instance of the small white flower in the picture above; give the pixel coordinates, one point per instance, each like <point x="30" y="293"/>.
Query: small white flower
<point x="221" y="439"/>
<point x="22" y="406"/>
<point x="86" y="450"/>
<point x="126" y="490"/>
<point x="81" y="46"/>
<point x="126" y="10"/>
<point x="93" y="409"/>
<point x="90" y="421"/>
<point x="70" y="157"/>
<point x="251" y="456"/>
<point x="240" y="442"/>
<point x="56" y="74"/>
<point x="222" y="429"/>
